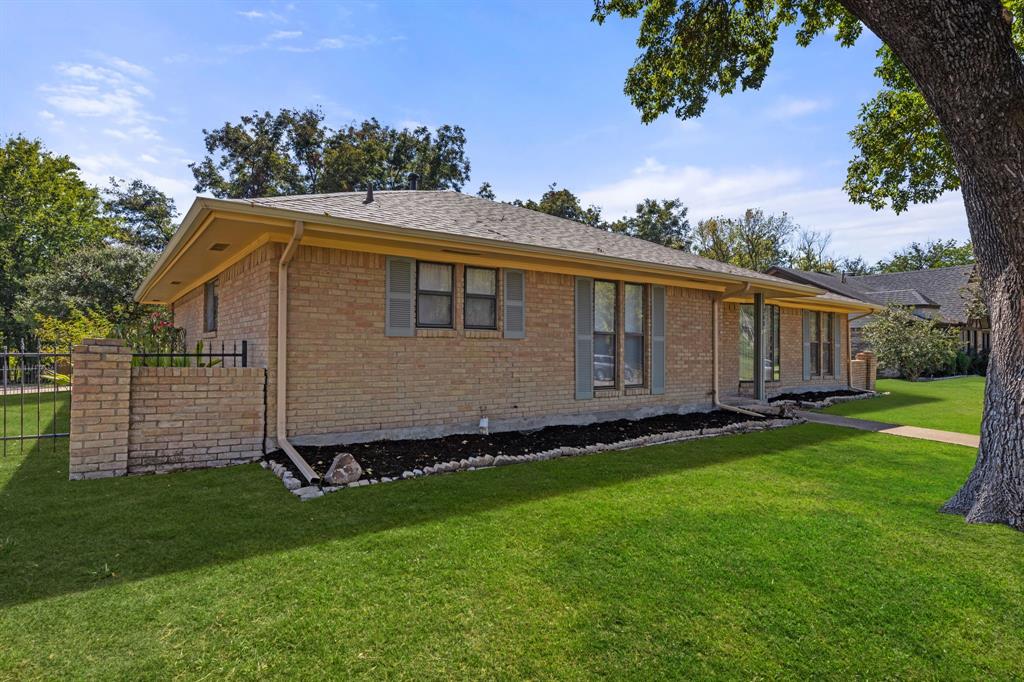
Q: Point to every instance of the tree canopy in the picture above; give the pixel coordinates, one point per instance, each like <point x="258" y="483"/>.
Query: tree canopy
<point x="564" y="204"/>
<point x="295" y="152"/>
<point x="932" y="254"/>
<point x="143" y="214"/>
<point x="46" y="211"/>
<point x="755" y="240"/>
<point x="662" y="222"/>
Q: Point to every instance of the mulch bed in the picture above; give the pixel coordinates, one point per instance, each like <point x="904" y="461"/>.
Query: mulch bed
<point x="811" y="396"/>
<point x="391" y="457"/>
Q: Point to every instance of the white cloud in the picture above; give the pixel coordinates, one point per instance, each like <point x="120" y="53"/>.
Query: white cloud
<point x="47" y="115"/>
<point x="796" y="107"/>
<point x="257" y="14"/>
<point x="708" y="193"/>
<point x="284" y="35"/>
<point x="148" y="158"/>
<point x="116" y="134"/>
<point x="125" y="66"/>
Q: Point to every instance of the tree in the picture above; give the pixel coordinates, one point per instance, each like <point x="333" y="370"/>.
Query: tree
<point x="662" y="222"/>
<point x="95" y="279"/>
<point x="855" y="266"/>
<point x="144" y="215"/>
<point x="46" y="211"/>
<point x="963" y="57"/>
<point x="486" y="192"/>
<point x="294" y="152"/>
<point x="910" y="345"/>
<point x="933" y="254"/>
<point x="564" y="204"/>
<point x="809" y="252"/>
<point x="755" y="240"/>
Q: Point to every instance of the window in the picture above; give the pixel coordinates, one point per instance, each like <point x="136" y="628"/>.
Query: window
<point x="815" y="346"/>
<point x="605" y="295"/>
<point x="770" y="333"/>
<point x="434" y="284"/>
<point x="827" y="345"/>
<point x="481" y="304"/>
<point x="210" y="301"/>
<point x="634" y="324"/>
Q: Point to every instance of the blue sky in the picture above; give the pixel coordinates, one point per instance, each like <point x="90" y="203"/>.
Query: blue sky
<point x="126" y="89"/>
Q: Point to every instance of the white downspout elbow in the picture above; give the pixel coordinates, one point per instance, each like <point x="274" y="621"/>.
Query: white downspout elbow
<point x="282" y="357"/>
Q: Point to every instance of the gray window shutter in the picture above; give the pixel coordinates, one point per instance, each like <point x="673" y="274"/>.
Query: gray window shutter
<point x="400" y="285"/>
<point x="584" y="338"/>
<point x="515" y="304"/>
<point x="657" y="340"/>
<point x="807" y="345"/>
<point x="837" y="353"/>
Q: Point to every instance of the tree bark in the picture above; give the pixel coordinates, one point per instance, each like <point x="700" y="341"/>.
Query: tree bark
<point x="961" y="55"/>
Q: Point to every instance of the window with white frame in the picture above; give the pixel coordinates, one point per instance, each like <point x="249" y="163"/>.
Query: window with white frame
<point x="605" y="330"/>
<point x="634" y="318"/>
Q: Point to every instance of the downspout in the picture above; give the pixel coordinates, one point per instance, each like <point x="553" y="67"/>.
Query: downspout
<point x="715" y="307"/>
<point x="282" y="357"/>
<point x="849" y="353"/>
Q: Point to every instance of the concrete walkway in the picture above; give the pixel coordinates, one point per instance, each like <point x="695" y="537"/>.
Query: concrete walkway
<point x="892" y="429"/>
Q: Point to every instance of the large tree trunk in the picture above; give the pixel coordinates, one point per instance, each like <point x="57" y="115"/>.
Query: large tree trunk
<point x="961" y="55"/>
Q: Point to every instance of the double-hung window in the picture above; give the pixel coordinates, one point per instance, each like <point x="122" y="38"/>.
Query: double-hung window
<point x="210" y="302"/>
<point x="605" y="298"/>
<point x="434" y="285"/>
<point x="634" y="327"/>
<point x="815" y="342"/>
<point x="481" y="298"/>
<point x="771" y="335"/>
<point x="827" y="343"/>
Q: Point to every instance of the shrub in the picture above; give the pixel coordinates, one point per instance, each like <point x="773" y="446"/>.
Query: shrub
<point x="910" y="345"/>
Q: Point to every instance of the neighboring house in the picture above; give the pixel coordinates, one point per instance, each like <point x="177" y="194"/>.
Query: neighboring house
<point x="418" y="313"/>
<point x="940" y="294"/>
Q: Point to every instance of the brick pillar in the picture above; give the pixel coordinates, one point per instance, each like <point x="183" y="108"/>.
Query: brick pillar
<point x="101" y="386"/>
<point x="870" y="368"/>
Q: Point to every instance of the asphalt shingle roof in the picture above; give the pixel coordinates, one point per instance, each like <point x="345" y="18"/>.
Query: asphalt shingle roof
<point x="463" y="215"/>
<point x="940" y="286"/>
<point x="828" y="282"/>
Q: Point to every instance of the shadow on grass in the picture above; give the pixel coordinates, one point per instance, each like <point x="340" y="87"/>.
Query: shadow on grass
<point x="893" y="401"/>
<point x="58" y="537"/>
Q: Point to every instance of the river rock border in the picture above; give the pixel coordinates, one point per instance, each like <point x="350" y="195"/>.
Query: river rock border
<point x="309" y="492"/>
<point x="825" y="402"/>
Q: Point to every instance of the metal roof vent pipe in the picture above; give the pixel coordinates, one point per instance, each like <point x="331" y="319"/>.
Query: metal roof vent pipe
<point x="414" y="181"/>
<point x="369" y="194"/>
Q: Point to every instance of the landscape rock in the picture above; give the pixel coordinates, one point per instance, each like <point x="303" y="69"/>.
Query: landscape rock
<point x="291" y="483"/>
<point x="344" y="469"/>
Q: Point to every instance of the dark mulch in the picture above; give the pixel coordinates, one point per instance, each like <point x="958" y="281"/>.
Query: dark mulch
<point x="811" y="396"/>
<point x="392" y="457"/>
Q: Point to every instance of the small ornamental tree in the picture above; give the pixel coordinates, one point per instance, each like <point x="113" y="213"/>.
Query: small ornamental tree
<point x="910" y="345"/>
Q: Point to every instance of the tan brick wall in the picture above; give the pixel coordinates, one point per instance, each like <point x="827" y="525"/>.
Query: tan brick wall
<point x="194" y="417"/>
<point x="99" y="409"/>
<point x="346" y="376"/>
<point x="863" y="371"/>
<point x="245" y="290"/>
<point x="128" y="420"/>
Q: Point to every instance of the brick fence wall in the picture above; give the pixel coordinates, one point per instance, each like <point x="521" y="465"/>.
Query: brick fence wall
<point x="863" y="370"/>
<point x="127" y="420"/>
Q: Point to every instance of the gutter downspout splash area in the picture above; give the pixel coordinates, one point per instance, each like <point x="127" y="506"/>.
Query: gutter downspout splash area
<point x="282" y="357"/>
<point x="715" y="315"/>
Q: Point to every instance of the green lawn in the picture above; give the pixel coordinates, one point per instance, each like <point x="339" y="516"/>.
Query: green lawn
<point x="950" y="404"/>
<point x="805" y="552"/>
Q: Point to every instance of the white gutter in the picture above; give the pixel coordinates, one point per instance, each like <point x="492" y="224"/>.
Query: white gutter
<point x="715" y="306"/>
<point x="282" y="357"/>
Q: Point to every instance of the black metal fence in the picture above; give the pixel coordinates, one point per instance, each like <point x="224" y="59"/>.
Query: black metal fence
<point x="235" y="352"/>
<point x="35" y="394"/>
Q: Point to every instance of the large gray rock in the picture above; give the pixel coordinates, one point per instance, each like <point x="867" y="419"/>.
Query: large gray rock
<point x="344" y="469"/>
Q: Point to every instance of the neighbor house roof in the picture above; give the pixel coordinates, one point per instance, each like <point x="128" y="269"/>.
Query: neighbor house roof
<point x="939" y="286"/>
<point x="438" y="223"/>
<point x="827" y="281"/>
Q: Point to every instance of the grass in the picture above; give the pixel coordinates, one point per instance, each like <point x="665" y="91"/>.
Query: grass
<point x="949" y="405"/>
<point x="805" y="552"/>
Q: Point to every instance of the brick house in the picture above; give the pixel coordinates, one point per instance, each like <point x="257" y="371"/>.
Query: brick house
<point x="418" y="313"/>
